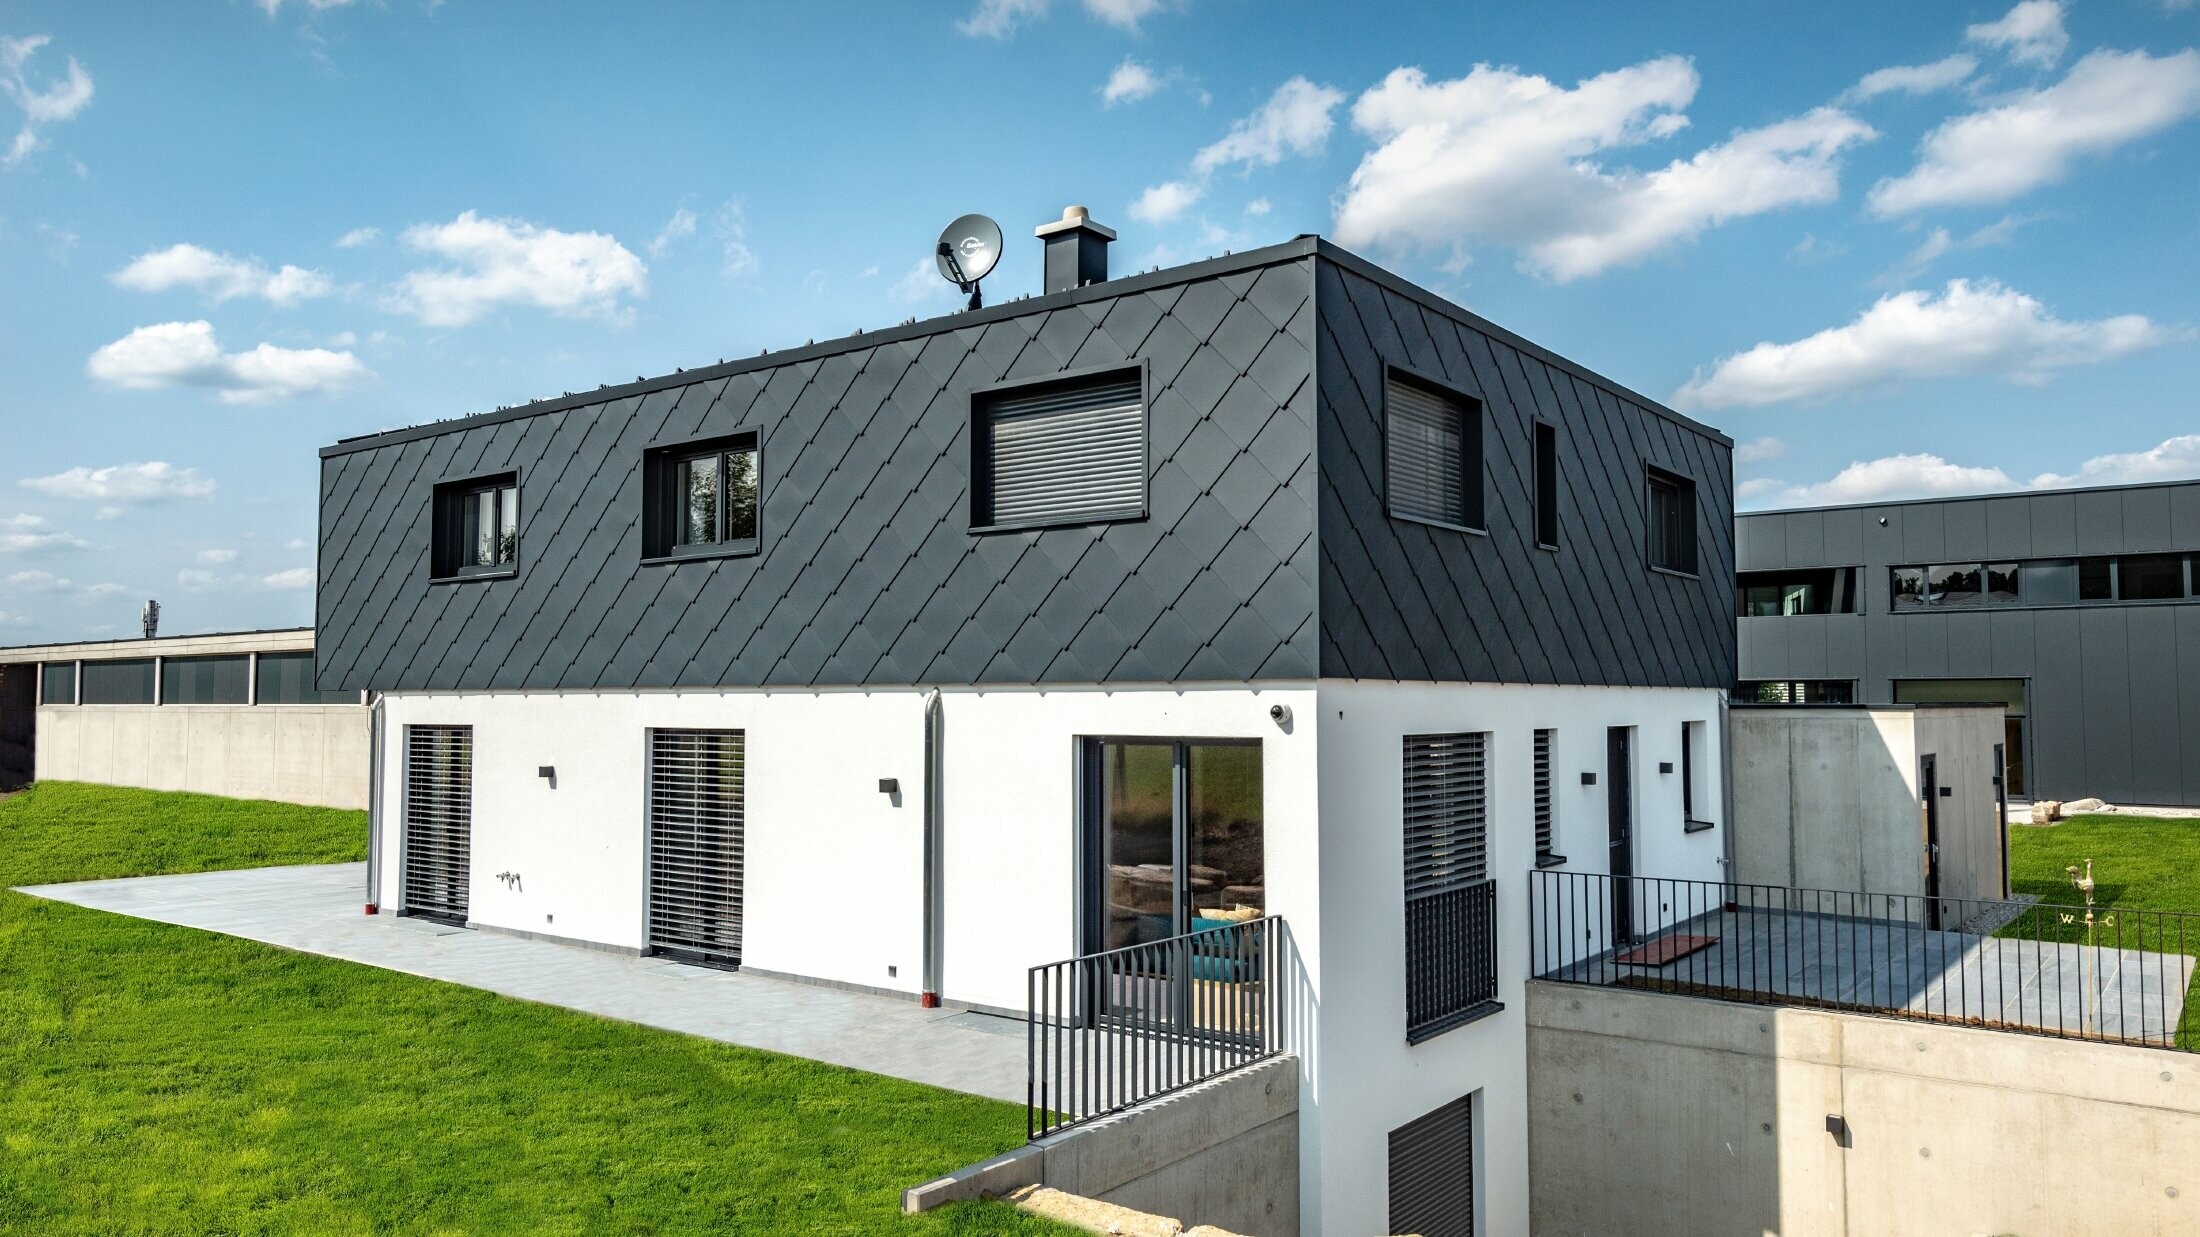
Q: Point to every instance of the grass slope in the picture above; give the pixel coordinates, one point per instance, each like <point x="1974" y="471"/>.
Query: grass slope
<point x="2140" y="864"/>
<point x="156" y="1079"/>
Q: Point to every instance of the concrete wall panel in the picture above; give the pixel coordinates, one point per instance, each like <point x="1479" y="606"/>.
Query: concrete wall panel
<point x="238" y="751"/>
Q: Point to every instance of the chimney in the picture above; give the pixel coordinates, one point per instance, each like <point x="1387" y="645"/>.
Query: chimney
<point x="1077" y="250"/>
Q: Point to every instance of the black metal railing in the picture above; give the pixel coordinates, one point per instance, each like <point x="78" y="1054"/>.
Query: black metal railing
<point x="1451" y="958"/>
<point x="2102" y="973"/>
<point x="1114" y="1029"/>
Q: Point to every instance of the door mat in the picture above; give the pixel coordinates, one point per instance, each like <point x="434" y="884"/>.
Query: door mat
<point x="1666" y="949"/>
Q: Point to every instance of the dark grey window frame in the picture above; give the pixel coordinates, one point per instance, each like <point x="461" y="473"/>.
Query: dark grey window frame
<point x="174" y="671"/>
<point x="1474" y="462"/>
<point x="1544" y="753"/>
<point x="1690" y="822"/>
<point x="1090" y="903"/>
<point x="446" y="507"/>
<point x="1547" y="531"/>
<point x="981" y="523"/>
<point x="2112" y="563"/>
<point x="105" y="669"/>
<point x="660" y="468"/>
<point x="45" y="668"/>
<point x="1685" y="487"/>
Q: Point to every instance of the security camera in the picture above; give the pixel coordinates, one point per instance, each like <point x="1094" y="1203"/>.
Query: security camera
<point x="1280" y="714"/>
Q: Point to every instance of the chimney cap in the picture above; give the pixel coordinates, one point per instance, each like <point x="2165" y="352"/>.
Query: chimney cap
<point x="1073" y="218"/>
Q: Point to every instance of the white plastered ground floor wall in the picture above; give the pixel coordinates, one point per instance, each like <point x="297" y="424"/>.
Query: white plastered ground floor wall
<point x="833" y="880"/>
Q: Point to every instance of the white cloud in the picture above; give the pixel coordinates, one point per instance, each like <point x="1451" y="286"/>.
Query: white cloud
<point x="1940" y="241"/>
<point x="499" y="262"/>
<point x="217" y="557"/>
<point x="679" y="227"/>
<point x="1759" y="450"/>
<point x="295" y="543"/>
<point x="221" y="277"/>
<point x="1924" y="475"/>
<point x="271" y="7"/>
<point x="196" y="580"/>
<point x="921" y="285"/>
<point x="186" y="354"/>
<point x="357" y="237"/>
<point x="2031" y="33"/>
<point x="294" y="578"/>
<point x="1258" y="207"/>
<point x="150" y="482"/>
<point x="732" y="225"/>
<point x="1165" y="202"/>
<point x="27" y="534"/>
<point x="2175" y="459"/>
<point x="1512" y="157"/>
<point x="1982" y="328"/>
<point x="997" y="19"/>
<point x="1914" y="79"/>
<point x="1294" y="121"/>
<point x="1130" y="82"/>
<point x="48" y="582"/>
<point x="1123" y="14"/>
<point x="58" y="101"/>
<point x="2031" y="138"/>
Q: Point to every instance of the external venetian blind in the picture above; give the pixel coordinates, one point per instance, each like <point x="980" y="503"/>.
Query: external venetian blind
<point x="439" y="814"/>
<point x="1064" y="453"/>
<point x="1445" y="777"/>
<point x="1432" y="1173"/>
<point x="1543" y="809"/>
<point x="1432" y="455"/>
<point x="696" y="843"/>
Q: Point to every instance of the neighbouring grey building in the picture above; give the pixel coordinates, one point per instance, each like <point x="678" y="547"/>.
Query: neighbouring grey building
<point x="228" y="713"/>
<point x="2076" y="609"/>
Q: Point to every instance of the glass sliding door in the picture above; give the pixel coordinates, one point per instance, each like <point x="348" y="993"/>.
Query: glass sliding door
<point x="1175" y="845"/>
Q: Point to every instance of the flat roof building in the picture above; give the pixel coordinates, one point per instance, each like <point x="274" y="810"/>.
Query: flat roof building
<point x="2075" y="609"/>
<point x="1266" y="590"/>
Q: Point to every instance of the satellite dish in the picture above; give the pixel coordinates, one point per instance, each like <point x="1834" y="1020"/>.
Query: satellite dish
<point x="968" y="251"/>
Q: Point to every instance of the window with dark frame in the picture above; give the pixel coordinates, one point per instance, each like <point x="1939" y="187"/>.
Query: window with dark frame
<point x="59" y="683"/>
<point x="476" y="527"/>
<point x="287" y="678"/>
<point x="1431" y="1177"/>
<point x="1796" y="691"/>
<point x="1066" y="451"/>
<point x="1451" y="903"/>
<point x="1546" y="485"/>
<point x="123" y="681"/>
<point x="1432" y="454"/>
<point x="702" y="498"/>
<point x="1672" y="514"/>
<point x="2034" y="583"/>
<point x="222" y="679"/>
<point x="1693" y="736"/>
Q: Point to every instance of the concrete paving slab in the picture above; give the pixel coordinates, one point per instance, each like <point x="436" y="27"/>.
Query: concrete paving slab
<point x="317" y="910"/>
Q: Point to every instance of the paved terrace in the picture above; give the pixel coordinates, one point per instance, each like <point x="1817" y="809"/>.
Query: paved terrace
<point x="317" y="910"/>
<point x="1801" y="957"/>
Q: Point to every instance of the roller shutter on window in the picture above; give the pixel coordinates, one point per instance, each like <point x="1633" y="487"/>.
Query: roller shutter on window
<point x="1543" y="796"/>
<point x="1432" y="1173"/>
<point x="1064" y="453"/>
<point x="1432" y="455"/>
<point x="439" y="810"/>
<point x="696" y="822"/>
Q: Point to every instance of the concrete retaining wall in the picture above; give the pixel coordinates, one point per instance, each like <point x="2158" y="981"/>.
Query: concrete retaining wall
<point x="1224" y="1153"/>
<point x="1827" y="798"/>
<point x="293" y="753"/>
<point x="1659" y="1114"/>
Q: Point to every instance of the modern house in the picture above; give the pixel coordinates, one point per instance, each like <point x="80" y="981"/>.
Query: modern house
<point x="229" y="713"/>
<point x="2077" y="610"/>
<point x="1270" y="589"/>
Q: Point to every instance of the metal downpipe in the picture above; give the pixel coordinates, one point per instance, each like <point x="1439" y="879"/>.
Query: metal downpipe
<point x="374" y="805"/>
<point x="935" y="799"/>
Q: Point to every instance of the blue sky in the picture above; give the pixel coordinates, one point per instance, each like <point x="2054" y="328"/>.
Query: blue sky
<point x="1923" y="249"/>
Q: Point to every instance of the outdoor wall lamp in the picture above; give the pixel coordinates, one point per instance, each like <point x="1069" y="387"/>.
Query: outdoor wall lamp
<point x="889" y="785"/>
<point x="548" y="773"/>
<point x="1588" y="779"/>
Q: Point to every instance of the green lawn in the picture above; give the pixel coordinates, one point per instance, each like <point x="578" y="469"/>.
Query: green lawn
<point x="156" y="1079"/>
<point x="2141" y="864"/>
